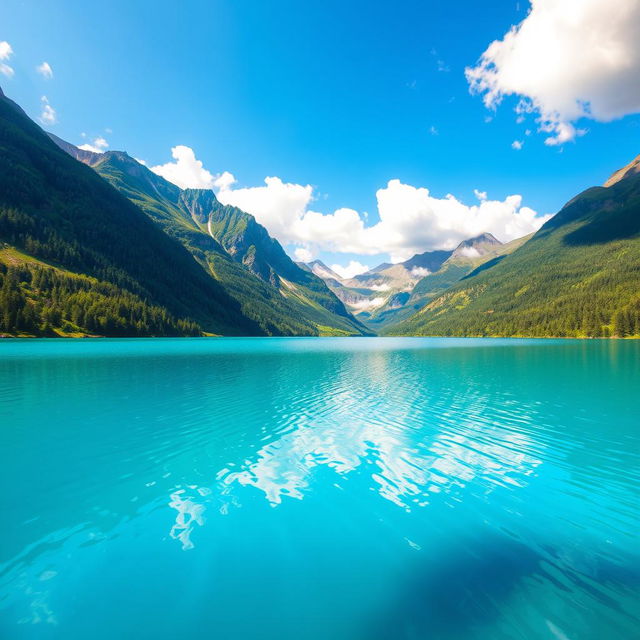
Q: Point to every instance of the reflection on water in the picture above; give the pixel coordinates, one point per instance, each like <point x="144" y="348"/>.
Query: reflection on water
<point x="189" y="515"/>
<point x="413" y="488"/>
<point x="401" y="471"/>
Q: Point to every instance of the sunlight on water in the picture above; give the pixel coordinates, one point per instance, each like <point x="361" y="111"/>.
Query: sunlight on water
<point x="320" y="488"/>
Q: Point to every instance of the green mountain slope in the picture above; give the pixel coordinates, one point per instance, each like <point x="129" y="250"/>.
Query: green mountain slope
<point x="252" y="267"/>
<point x="68" y="259"/>
<point x="578" y="276"/>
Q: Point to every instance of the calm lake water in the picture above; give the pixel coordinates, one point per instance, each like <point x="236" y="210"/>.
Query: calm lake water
<point x="340" y="489"/>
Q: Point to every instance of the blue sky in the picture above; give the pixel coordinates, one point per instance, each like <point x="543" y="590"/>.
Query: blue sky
<point x="342" y="96"/>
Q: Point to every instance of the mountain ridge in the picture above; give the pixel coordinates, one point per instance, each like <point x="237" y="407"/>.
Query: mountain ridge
<point x="290" y="300"/>
<point x="54" y="210"/>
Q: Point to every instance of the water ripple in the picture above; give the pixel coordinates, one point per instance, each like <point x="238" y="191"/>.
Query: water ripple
<point x="471" y="485"/>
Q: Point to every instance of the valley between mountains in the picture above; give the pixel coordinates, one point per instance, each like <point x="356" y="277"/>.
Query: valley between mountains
<point x="97" y="244"/>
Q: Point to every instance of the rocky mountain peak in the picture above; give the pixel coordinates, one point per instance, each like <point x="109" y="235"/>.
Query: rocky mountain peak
<point x="476" y="246"/>
<point x="632" y="169"/>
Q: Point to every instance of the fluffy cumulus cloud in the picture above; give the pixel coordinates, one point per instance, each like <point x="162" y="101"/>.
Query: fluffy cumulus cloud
<point x="48" y="113"/>
<point x="45" y="70"/>
<point x="567" y="60"/>
<point x="411" y="220"/>
<point x="5" y="53"/>
<point x="354" y="268"/>
<point x="99" y="145"/>
<point x="187" y="171"/>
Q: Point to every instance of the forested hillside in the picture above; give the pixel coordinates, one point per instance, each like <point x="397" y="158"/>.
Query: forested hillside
<point x="251" y="267"/>
<point x="578" y="276"/>
<point x="77" y="257"/>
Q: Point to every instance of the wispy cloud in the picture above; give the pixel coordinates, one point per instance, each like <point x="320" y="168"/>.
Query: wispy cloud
<point x="99" y="145"/>
<point x="48" y="114"/>
<point x="5" y="54"/>
<point x="45" y="70"/>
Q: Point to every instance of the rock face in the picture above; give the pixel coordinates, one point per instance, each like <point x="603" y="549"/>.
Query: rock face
<point x="476" y="247"/>
<point x="87" y="157"/>
<point x="629" y="170"/>
<point x="322" y="271"/>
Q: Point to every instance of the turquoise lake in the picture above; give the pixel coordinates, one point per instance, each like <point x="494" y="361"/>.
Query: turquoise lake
<point x="312" y="488"/>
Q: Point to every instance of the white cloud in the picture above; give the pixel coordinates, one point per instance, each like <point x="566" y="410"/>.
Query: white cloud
<point x="100" y="145"/>
<point x="567" y="60"/>
<point x="187" y="172"/>
<point x="278" y="205"/>
<point x="367" y="304"/>
<point x="48" y="114"/>
<point x="481" y="195"/>
<point x="303" y="255"/>
<point x="5" y="53"/>
<point x="354" y="268"/>
<point x="517" y="145"/>
<point x="468" y="252"/>
<point x="441" y="65"/>
<point x="224" y="180"/>
<point x="411" y="219"/>
<point x="420" y="272"/>
<point x="45" y="70"/>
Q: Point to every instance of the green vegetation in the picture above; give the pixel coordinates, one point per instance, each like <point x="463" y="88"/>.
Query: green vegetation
<point x="134" y="255"/>
<point x="37" y="299"/>
<point x="58" y="211"/>
<point x="579" y="276"/>
<point x="251" y="267"/>
<point x="453" y="269"/>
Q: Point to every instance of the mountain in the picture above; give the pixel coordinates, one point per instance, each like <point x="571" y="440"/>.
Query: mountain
<point x="321" y="270"/>
<point x="354" y="298"/>
<point x="476" y="247"/>
<point x="470" y="254"/>
<point x="387" y="285"/>
<point x="579" y="275"/>
<point x="250" y="266"/>
<point x="390" y="293"/>
<point x="627" y="171"/>
<point x="429" y="260"/>
<point x="78" y="258"/>
<point x="401" y="276"/>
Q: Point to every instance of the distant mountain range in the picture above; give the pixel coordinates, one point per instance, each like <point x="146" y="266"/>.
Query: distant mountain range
<point x="390" y="293"/>
<point x="97" y="244"/>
